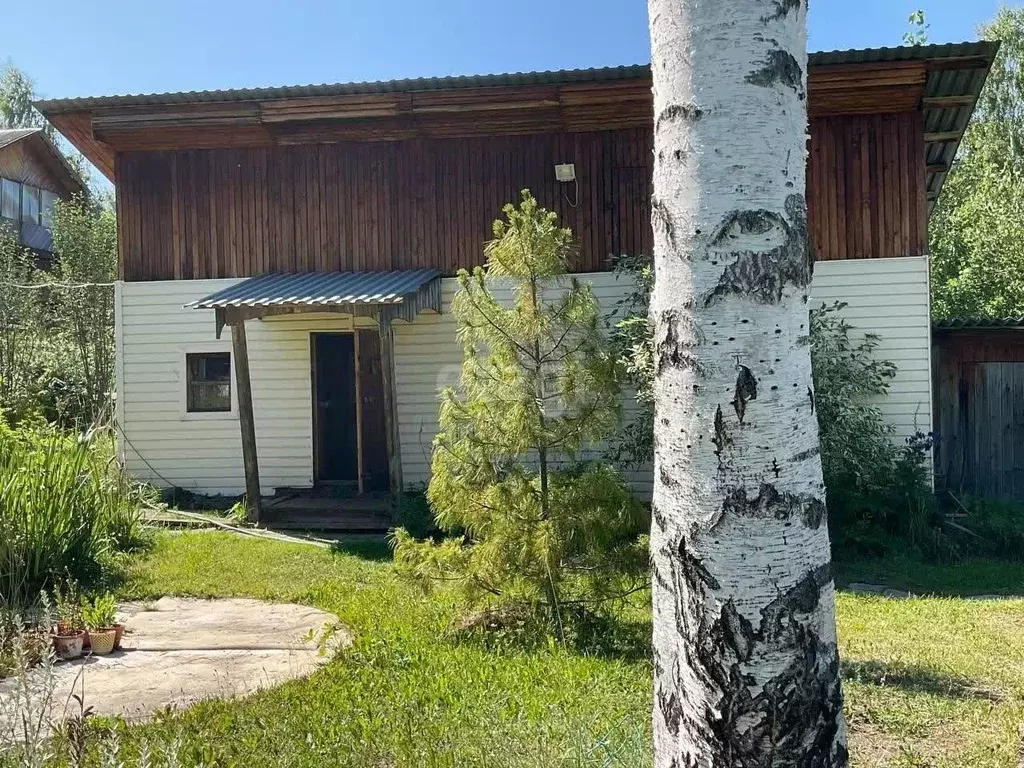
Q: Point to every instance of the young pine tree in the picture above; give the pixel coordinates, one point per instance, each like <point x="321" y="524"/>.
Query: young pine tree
<point x="538" y="387"/>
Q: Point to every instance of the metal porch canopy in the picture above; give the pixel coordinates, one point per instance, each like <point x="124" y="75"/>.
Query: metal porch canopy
<point x="384" y="295"/>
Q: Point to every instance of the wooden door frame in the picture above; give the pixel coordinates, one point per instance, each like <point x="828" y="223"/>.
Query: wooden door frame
<point x="313" y="385"/>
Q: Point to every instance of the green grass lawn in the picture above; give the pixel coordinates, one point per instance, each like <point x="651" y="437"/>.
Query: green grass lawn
<point x="931" y="681"/>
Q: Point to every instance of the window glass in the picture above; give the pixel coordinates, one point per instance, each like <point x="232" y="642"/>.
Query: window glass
<point x="208" y="381"/>
<point x="10" y="193"/>
<point x="49" y="199"/>
<point x="30" y="204"/>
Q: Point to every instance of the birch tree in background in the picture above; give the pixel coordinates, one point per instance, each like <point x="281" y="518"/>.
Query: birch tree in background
<point x="746" y="666"/>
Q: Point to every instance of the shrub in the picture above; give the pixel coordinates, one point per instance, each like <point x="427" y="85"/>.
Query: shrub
<point x="531" y="514"/>
<point x="876" y="488"/>
<point x="66" y="511"/>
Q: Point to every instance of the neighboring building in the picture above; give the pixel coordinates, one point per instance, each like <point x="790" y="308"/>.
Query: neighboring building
<point x="319" y="214"/>
<point x="33" y="175"/>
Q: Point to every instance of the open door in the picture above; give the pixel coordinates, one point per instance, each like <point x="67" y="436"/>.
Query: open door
<point x="349" y="439"/>
<point x="373" y="421"/>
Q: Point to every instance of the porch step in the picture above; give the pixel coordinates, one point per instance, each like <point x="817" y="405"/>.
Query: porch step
<point x="368" y="513"/>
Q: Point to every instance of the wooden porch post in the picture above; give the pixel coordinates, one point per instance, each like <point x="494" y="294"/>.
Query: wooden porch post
<point x="246" y="418"/>
<point x="387" y="359"/>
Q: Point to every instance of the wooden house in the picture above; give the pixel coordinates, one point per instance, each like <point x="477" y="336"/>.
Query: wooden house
<point x="323" y="224"/>
<point x="33" y="175"/>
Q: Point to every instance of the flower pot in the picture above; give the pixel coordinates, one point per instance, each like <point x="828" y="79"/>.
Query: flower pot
<point x="119" y="629"/>
<point x="86" y="641"/>
<point x="68" y="647"/>
<point x="103" y="639"/>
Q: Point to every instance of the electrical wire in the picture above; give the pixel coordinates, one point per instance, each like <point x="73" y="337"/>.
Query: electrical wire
<point x="6" y="284"/>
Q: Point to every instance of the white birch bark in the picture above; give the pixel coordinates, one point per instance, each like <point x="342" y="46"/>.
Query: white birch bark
<point x="746" y="668"/>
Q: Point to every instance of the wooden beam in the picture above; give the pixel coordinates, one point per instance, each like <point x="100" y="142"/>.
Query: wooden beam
<point x="246" y="420"/>
<point x="359" y="412"/>
<point x="942" y="136"/>
<point x="387" y="359"/>
<point x="947" y="102"/>
<point x="938" y="168"/>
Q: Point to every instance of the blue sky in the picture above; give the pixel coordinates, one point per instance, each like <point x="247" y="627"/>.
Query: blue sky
<point x="131" y="46"/>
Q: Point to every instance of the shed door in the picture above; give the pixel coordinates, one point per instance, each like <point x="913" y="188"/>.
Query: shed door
<point x="334" y="408"/>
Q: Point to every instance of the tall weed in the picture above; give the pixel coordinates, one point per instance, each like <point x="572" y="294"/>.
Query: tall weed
<point x="66" y="511"/>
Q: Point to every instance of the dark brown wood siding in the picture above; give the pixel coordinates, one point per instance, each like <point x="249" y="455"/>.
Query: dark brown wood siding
<point x="373" y="205"/>
<point x="866" y="186"/>
<point x="189" y="214"/>
<point x="19" y="162"/>
<point x="979" y="412"/>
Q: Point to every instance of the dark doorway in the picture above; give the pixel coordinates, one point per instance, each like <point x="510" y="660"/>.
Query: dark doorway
<point x="348" y="393"/>
<point x="334" y="408"/>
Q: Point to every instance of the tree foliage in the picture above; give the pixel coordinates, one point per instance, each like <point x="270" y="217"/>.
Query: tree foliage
<point x="977" y="228"/>
<point x="57" y="324"/>
<point x="16" y="94"/>
<point x="538" y="387"/>
<point x="918" y="32"/>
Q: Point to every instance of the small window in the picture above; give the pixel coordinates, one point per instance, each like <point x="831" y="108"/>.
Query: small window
<point x="208" y="382"/>
<point x="10" y="199"/>
<point x="49" y="201"/>
<point x="30" y="204"/>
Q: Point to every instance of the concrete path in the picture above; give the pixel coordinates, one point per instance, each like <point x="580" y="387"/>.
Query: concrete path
<point x="178" y="651"/>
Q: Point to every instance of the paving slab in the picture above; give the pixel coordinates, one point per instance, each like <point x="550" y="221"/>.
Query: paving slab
<point x="177" y="651"/>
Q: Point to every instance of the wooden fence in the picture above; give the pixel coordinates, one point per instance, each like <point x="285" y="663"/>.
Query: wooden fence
<point x="979" y="410"/>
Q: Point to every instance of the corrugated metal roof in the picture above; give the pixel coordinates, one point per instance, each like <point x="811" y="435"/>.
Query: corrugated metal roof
<point x="408" y="291"/>
<point x="11" y="135"/>
<point x="978" y="323"/>
<point x="952" y="82"/>
<point x="551" y="77"/>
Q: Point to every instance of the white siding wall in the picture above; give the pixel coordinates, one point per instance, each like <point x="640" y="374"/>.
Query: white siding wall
<point x="888" y="297"/>
<point x="427" y="359"/>
<point x="885" y="296"/>
<point x="203" y="452"/>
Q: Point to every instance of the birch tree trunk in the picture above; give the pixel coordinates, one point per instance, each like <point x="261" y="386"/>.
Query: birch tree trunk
<point x="746" y="667"/>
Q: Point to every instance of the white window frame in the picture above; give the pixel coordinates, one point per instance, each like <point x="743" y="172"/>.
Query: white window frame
<point x="210" y="348"/>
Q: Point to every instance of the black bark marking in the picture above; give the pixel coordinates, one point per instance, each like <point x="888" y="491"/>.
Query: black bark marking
<point x="697" y="577"/>
<point x="779" y="68"/>
<point x="810" y="396"/>
<point x="671" y="710"/>
<point x="764" y="275"/>
<point x="746" y="390"/>
<point x="776" y="469"/>
<point x="794" y="718"/>
<point x="679" y="338"/>
<point x="721" y="438"/>
<point x="661" y="215"/>
<point x="804" y="455"/>
<point x="659" y="518"/>
<point x="770" y="503"/>
<point x="691" y="113"/>
<point x="666" y="479"/>
<point x="782" y="9"/>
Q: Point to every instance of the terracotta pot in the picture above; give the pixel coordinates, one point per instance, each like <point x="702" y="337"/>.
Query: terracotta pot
<point x="68" y="647"/>
<point x="119" y="628"/>
<point x="103" y="639"/>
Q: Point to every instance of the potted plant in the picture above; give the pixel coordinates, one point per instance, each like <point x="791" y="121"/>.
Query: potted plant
<point x="69" y="633"/>
<point x="100" y="615"/>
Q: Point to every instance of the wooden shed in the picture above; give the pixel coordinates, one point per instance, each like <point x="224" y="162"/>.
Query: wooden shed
<point x="979" y="406"/>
